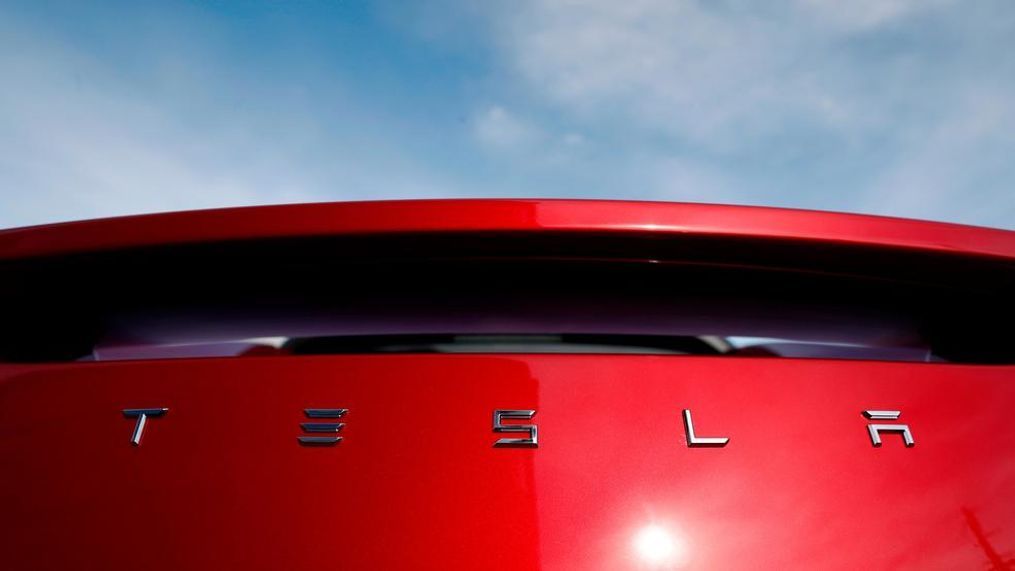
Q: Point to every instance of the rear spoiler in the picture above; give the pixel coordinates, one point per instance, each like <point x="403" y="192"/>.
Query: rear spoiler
<point x="657" y="219"/>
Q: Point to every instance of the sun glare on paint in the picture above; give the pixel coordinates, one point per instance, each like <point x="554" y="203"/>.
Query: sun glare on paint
<point x="659" y="547"/>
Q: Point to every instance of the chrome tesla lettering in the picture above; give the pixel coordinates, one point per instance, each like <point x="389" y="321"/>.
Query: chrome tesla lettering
<point x="695" y="441"/>
<point x="322" y="427"/>
<point x="320" y="431"/>
<point x="531" y="429"/>
<point x="142" y="415"/>
<point x="875" y="430"/>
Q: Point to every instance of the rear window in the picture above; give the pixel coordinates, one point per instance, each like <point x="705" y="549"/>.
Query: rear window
<point x="346" y="297"/>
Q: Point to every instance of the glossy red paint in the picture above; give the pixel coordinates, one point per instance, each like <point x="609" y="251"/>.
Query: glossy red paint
<point x="220" y="481"/>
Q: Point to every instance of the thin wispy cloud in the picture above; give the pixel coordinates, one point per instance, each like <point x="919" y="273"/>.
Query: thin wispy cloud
<point x="498" y="128"/>
<point x="899" y="107"/>
<point x="82" y="136"/>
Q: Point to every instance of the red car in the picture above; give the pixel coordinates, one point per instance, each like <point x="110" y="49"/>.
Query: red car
<point x="507" y="384"/>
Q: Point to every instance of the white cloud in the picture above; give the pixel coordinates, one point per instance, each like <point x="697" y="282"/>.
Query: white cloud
<point x="495" y="127"/>
<point x="715" y="73"/>
<point x="862" y="105"/>
<point x="864" y="14"/>
<point x="959" y="168"/>
<point x="678" y="179"/>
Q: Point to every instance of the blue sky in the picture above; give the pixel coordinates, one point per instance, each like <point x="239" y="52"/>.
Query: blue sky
<point x="898" y="107"/>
